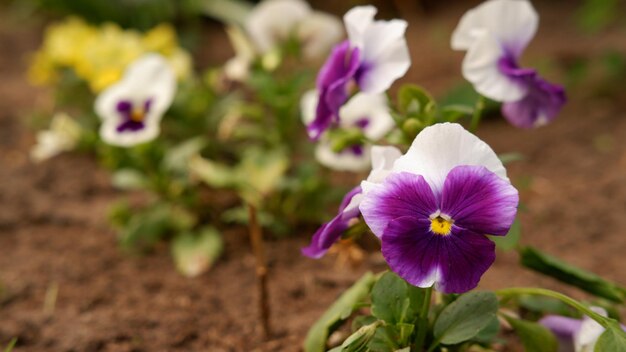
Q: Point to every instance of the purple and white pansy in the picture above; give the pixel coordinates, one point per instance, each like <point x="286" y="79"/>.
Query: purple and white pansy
<point x="274" y="21"/>
<point x="329" y="233"/>
<point x="495" y="34"/>
<point x="367" y="112"/>
<point x="435" y="206"/>
<point x="575" y="335"/>
<point x="373" y="57"/>
<point x="131" y="109"/>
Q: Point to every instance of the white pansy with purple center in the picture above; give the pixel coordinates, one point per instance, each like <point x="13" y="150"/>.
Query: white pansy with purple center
<point x="367" y="112"/>
<point x="576" y="335"/>
<point x="495" y="34"/>
<point x="373" y="57"/>
<point x="131" y="109"/>
<point x="274" y="21"/>
<point x="435" y="207"/>
<point x="330" y="232"/>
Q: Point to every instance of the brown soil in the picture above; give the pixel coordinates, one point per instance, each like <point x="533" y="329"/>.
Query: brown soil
<point x="54" y="235"/>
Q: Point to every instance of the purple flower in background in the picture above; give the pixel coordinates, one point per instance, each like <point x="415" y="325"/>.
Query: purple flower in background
<point x="382" y="160"/>
<point x="132" y="108"/>
<point x="495" y="34"/>
<point x="575" y="335"/>
<point x="367" y="112"/>
<point x="374" y="56"/>
<point x="434" y="208"/>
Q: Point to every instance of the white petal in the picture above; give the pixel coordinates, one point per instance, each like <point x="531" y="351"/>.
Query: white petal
<point x="318" y="33"/>
<point x="383" y="159"/>
<point x="344" y="161"/>
<point x="440" y="148"/>
<point x="374" y="107"/>
<point x="384" y="52"/>
<point x="308" y="104"/>
<point x="237" y="69"/>
<point x="586" y="337"/>
<point x="357" y="20"/>
<point x="272" y="21"/>
<point x="62" y="136"/>
<point x="480" y="67"/>
<point x="512" y="22"/>
<point x="110" y="135"/>
<point x="149" y="77"/>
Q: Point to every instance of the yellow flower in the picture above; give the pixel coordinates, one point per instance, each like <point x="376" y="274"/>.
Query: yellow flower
<point x="42" y="70"/>
<point x="180" y="60"/>
<point x="64" y="42"/>
<point x="161" y="39"/>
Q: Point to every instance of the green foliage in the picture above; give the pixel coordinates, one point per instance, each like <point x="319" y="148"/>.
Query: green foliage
<point x="337" y="313"/>
<point x="585" y="280"/>
<point x="395" y="301"/>
<point x="613" y="339"/>
<point x="595" y="15"/>
<point x="11" y="344"/>
<point x="464" y="318"/>
<point x="511" y="239"/>
<point x="534" y="336"/>
<point x="360" y="339"/>
<point x="195" y="253"/>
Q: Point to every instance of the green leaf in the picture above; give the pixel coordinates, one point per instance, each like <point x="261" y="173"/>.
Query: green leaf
<point x="534" y="336"/>
<point x="260" y="172"/>
<point x="413" y="99"/>
<point x="195" y="254"/>
<point x="489" y="332"/>
<point x="11" y="344"/>
<point x="466" y="317"/>
<point x="213" y="173"/>
<point x="129" y="180"/>
<point x="511" y="239"/>
<point x="395" y="301"/>
<point x="585" y="280"/>
<point x="544" y="305"/>
<point x="177" y="158"/>
<point x="453" y="113"/>
<point x="337" y="313"/>
<point x="613" y="339"/>
<point x="359" y="340"/>
<point x="507" y="158"/>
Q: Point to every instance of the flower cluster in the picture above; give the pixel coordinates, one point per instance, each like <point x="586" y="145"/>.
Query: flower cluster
<point x="99" y="55"/>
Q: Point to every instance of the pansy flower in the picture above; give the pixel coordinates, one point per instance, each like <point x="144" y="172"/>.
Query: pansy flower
<point x="366" y="112"/>
<point x="329" y="233"/>
<point x="63" y="135"/>
<point x="373" y="57"/>
<point x="275" y="21"/>
<point x="434" y="208"/>
<point x="495" y="34"/>
<point x="132" y="108"/>
<point x="575" y="335"/>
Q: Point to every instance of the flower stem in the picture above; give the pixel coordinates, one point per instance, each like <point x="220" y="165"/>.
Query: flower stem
<point x="422" y="322"/>
<point x="256" y="237"/>
<point x="517" y="291"/>
<point x="478" y="113"/>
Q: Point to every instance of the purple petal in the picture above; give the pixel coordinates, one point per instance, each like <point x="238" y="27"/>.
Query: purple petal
<point x="478" y="200"/>
<point x="130" y="125"/>
<point x="539" y="107"/>
<point x="563" y="328"/>
<point x="401" y="194"/>
<point x="330" y="232"/>
<point x="332" y="85"/>
<point x="542" y="102"/>
<point x="124" y="106"/>
<point x="454" y="262"/>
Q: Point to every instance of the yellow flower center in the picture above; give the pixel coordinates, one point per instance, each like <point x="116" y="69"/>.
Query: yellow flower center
<point x="440" y="226"/>
<point x="137" y="115"/>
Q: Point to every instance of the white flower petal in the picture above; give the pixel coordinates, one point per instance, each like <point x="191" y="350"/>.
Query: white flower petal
<point x="513" y="23"/>
<point x="110" y="135"/>
<point x="62" y="136"/>
<point x="480" y="67"/>
<point x="383" y="159"/>
<point x="344" y="161"/>
<point x="440" y="148"/>
<point x="374" y="107"/>
<point x="272" y="21"/>
<point x="384" y="53"/>
<point x="318" y="33"/>
<point x="586" y="337"/>
<point x="357" y="20"/>
<point x="308" y="104"/>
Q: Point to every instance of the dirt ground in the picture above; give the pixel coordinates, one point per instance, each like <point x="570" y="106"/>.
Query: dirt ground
<point x="54" y="236"/>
